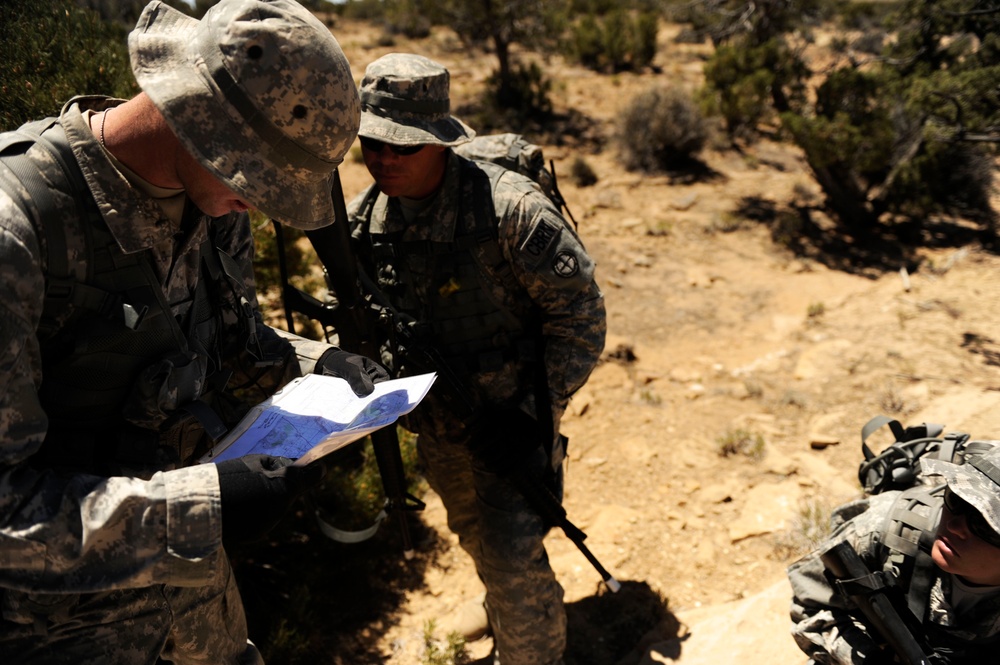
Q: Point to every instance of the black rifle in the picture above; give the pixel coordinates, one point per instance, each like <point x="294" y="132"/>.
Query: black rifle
<point x="356" y="332"/>
<point x="553" y="513"/>
<point x="883" y="605"/>
<point x="532" y="489"/>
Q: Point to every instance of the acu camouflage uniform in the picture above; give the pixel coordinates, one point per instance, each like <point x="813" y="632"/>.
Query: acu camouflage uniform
<point x="551" y="286"/>
<point x="830" y="629"/>
<point x="128" y="567"/>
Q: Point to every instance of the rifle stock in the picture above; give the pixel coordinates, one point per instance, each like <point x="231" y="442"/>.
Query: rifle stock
<point x="356" y="333"/>
<point x="868" y="591"/>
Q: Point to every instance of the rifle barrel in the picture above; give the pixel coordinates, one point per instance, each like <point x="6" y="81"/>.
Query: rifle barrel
<point x="357" y="334"/>
<point x="552" y="512"/>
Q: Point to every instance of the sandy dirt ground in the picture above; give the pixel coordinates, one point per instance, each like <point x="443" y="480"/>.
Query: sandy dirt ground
<point x="720" y="331"/>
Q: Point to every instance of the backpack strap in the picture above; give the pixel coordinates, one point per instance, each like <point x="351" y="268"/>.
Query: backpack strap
<point x="907" y="537"/>
<point x="483" y="239"/>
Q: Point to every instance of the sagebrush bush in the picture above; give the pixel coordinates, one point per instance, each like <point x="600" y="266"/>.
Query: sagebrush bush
<point x="660" y="129"/>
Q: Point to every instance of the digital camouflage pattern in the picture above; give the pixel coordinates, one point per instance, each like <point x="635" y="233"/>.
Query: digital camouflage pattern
<point x="977" y="481"/>
<point x="828" y="627"/>
<point x="199" y="625"/>
<point x="122" y="541"/>
<point x="261" y="92"/>
<point x="553" y="270"/>
<point x="554" y="273"/>
<point x="405" y="101"/>
<point x="503" y="535"/>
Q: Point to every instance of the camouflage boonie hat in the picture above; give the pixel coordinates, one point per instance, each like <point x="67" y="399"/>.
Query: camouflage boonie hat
<point x="260" y="92"/>
<point x="977" y="481"/>
<point x="405" y="101"/>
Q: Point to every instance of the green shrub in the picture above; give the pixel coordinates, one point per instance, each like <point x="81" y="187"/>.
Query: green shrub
<point x="365" y="10"/>
<point x="451" y="652"/>
<point x="947" y="178"/>
<point x="52" y="50"/>
<point x="643" y="43"/>
<point x="586" y="43"/>
<point x="617" y="41"/>
<point x="745" y="84"/>
<point x="526" y="96"/>
<point x="352" y="494"/>
<point x="660" y="129"/>
<point x="896" y="139"/>
<point x="859" y="15"/>
<point x="408" y="18"/>
<point x="581" y="173"/>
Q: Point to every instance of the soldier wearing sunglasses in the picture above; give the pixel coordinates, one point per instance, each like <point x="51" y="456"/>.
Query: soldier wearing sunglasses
<point x="495" y="288"/>
<point x="940" y="544"/>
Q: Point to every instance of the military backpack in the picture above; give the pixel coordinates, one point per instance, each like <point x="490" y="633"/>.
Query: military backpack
<point x="516" y="153"/>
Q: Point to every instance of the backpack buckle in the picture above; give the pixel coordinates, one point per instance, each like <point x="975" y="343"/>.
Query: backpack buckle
<point x="59" y="288"/>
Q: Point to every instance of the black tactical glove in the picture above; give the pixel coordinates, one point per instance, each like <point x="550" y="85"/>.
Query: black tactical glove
<point x="257" y="490"/>
<point x="504" y="440"/>
<point x="360" y="372"/>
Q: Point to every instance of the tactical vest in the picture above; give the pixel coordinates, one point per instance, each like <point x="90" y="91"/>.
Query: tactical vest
<point x="123" y="384"/>
<point x="907" y="538"/>
<point x="451" y="289"/>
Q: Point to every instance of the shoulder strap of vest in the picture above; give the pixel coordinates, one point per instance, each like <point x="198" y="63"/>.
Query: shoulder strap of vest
<point x="65" y="282"/>
<point x="907" y="536"/>
<point x="482" y="236"/>
<point x="364" y="211"/>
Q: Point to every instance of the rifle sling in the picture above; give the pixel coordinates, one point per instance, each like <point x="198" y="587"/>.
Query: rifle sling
<point x="865" y="585"/>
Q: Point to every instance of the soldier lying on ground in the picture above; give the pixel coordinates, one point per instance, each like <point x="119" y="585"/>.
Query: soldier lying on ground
<point x="940" y="543"/>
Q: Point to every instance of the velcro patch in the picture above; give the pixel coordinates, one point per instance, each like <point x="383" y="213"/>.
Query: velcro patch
<point x="536" y="247"/>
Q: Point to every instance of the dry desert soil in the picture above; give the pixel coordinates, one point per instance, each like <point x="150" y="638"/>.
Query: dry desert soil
<point x="772" y="342"/>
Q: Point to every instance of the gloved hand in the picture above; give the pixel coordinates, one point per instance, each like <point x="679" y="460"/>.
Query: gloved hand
<point x="360" y="372"/>
<point x="505" y="439"/>
<point x="257" y="490"/>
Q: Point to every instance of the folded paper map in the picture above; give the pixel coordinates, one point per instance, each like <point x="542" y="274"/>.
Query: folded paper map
<point x="315" y="415"/>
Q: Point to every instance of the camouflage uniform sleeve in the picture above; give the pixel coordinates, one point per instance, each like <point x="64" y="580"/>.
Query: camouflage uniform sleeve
<point x="297" y="356"/>
<point x="826" y="625"/>
<point x="79" y="533"/>
<point x="550" y="261"/>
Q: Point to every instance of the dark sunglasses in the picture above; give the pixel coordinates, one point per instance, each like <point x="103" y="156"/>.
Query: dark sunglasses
<point x="402" y="150"/>
<point x="977" y="523"/>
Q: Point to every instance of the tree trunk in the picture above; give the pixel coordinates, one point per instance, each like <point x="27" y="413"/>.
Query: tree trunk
<point x="846" y="200"/>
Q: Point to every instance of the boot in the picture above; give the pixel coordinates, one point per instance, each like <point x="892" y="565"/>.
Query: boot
<point x="470" y="620"/>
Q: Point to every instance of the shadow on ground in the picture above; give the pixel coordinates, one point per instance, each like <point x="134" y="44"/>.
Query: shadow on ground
<point x="310" y="599"/>
<point x="614" y="628"/>
<point x="874" y="251"/>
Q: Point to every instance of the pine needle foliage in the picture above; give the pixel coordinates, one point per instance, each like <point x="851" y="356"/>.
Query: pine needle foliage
<point x="53" y="50"/>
